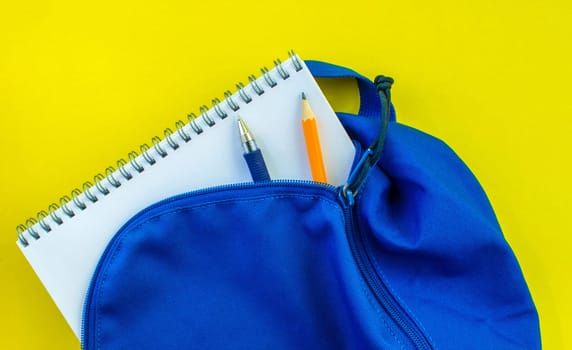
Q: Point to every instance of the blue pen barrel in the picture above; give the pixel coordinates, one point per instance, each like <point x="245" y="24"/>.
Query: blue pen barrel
<point x="256" y="166"/>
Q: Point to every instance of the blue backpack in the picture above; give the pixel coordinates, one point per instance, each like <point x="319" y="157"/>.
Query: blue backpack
<point x="407" y="255"/>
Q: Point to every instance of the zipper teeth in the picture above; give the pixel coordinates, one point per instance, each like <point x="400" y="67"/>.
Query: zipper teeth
<point x="376" y="285"/>
<point x="210" y="190"/>
<point x="220" y="188"/>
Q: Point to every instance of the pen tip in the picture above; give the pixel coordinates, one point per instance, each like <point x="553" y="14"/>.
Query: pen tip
<point x="245" y="135"/>
<point x="243" y="129"/>
<point x="303" y="96"/>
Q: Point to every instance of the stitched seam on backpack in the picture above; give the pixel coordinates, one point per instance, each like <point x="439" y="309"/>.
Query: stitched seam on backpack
<point x="378" y="311"/>
<point x="330" y="203"/>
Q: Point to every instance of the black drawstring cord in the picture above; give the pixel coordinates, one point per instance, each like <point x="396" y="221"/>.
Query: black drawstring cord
<point x="373" y="153"/>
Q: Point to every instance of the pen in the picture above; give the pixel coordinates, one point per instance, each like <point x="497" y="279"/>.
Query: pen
<point x="313" y="142"/>
<point x="252" y="154"/>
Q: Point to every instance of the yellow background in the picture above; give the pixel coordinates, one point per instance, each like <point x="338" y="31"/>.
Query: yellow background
<point x="83" y="83"/>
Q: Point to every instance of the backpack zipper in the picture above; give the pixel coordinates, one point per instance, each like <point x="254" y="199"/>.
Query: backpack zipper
<point x="364" y="262"/>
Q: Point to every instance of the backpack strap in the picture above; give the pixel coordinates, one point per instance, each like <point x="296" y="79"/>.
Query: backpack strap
<point x="369" y="102"/>
<point x="375" y="102"/>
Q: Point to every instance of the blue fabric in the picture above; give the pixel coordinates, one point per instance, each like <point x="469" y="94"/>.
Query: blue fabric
<point x="208" y="272"/>
<point x="419" y="262"/>
<point x="438" y="246"/>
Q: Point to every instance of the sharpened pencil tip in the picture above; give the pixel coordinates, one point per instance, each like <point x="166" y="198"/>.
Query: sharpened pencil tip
<point x="303" y="96"/>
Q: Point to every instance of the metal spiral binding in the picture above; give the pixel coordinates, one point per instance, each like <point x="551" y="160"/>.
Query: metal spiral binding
<point x="193" y="123"/>
<point x="70" y="206"/>
<point x="169" y="137"/>
<point x="157" y="146"/>
<point x="243" y="95"/>
<point x="231" y="103"/>
<point x="20" y="230"/>
<point x="30" y="227"/>
<point x="121" y="163"/>
<point x="87" y="191"/>
<point x="204" y="114"/>
<point x="42" y="214"/>
<point x="52" y="212"/>
<point x="295" y="60"/>
<point x="255" y="86"/>
<point x="98" y="184"/>
<point x="78" y="203"/>
<point x="64" y="206"/>
<point x="182" y="133"/>
<point x="283" y="73"/>
<point x="133" y="161"/>
<point x="218" y="109"/>
<point x="111" y="178"/>
<point x="268" y="78"/>
<point x="144" y="148"/>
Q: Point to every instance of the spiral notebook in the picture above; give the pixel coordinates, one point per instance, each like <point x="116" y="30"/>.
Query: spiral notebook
<point x="64" y="244"/>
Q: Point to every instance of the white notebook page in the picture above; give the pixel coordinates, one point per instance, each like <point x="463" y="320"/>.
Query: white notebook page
<point x="64" y="259"/>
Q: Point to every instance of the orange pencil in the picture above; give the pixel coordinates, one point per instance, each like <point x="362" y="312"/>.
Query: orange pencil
<point x="313" y="142"/>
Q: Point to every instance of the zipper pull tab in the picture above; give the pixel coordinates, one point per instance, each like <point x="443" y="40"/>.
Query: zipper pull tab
<point x="357" y="176"/>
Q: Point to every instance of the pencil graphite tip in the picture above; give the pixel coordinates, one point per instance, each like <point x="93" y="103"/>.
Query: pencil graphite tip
<point x="306" y="109"/>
